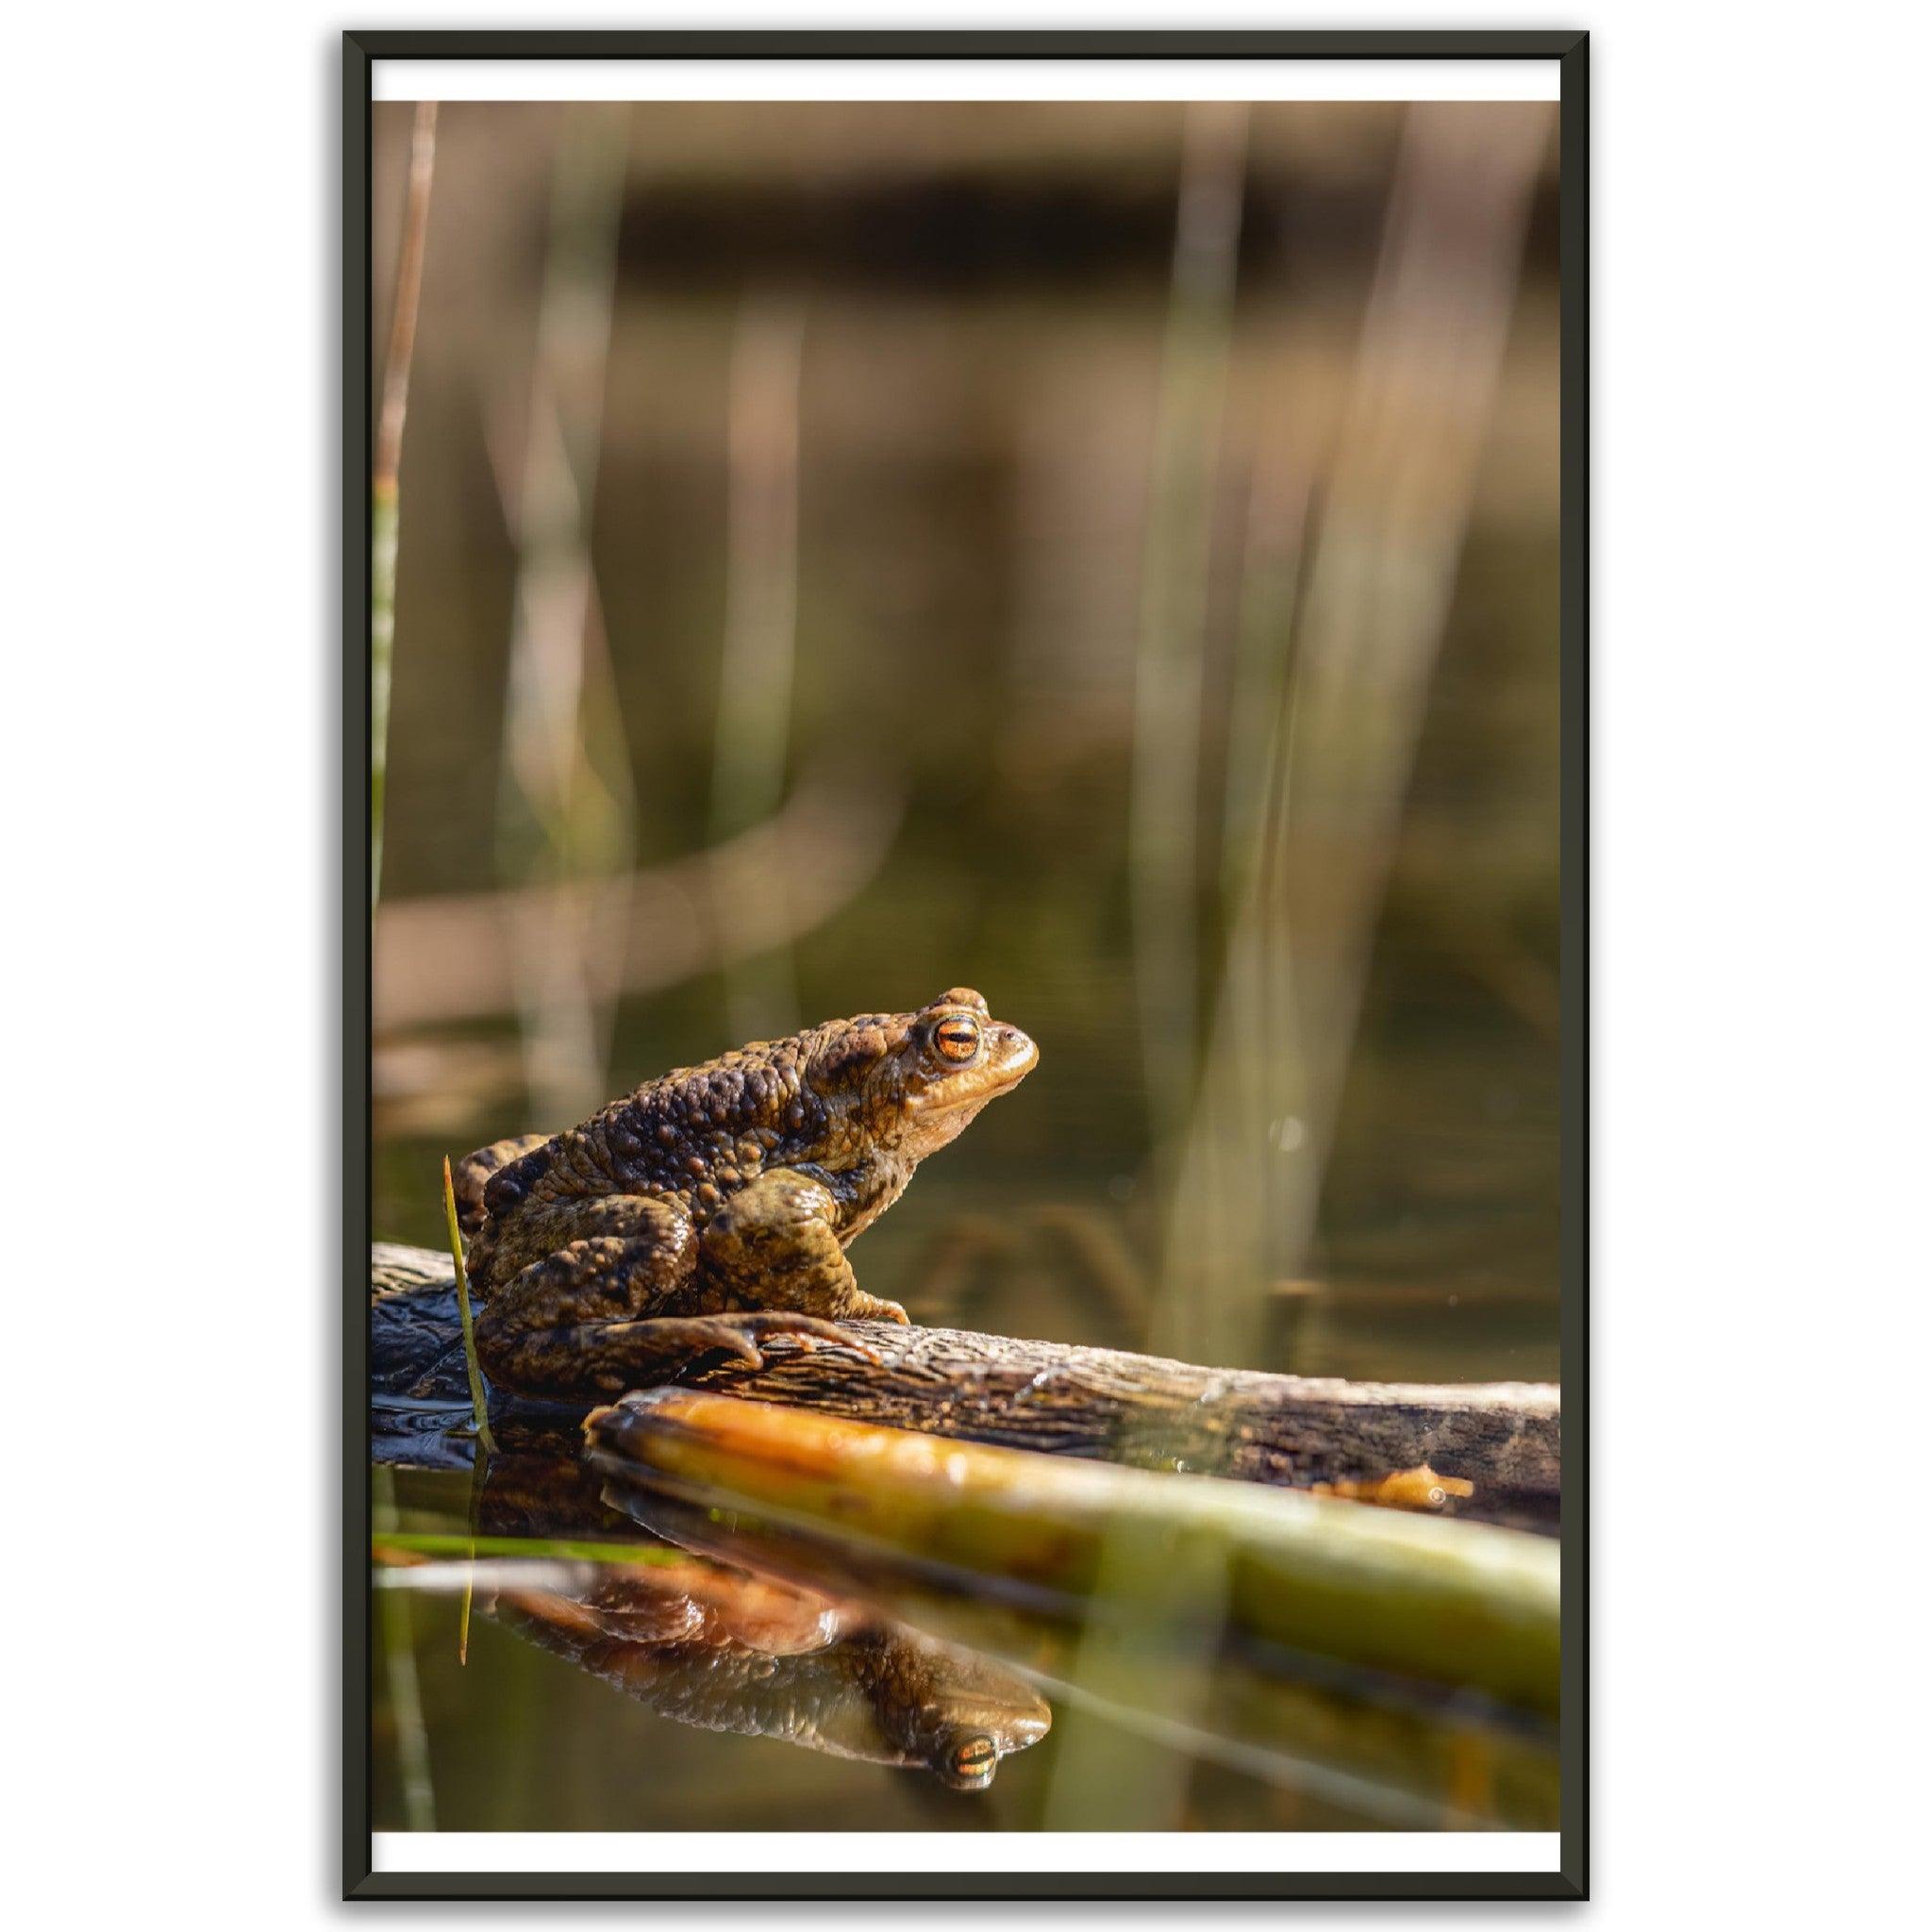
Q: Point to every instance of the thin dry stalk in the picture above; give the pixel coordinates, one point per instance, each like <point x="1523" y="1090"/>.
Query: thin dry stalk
<point x="385" y="530"/>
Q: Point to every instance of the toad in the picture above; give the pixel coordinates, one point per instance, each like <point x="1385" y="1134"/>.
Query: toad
<point x="710" y="1210"/>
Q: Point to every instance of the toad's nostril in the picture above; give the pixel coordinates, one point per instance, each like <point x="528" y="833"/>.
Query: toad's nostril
<point x="1018" y="1053"/>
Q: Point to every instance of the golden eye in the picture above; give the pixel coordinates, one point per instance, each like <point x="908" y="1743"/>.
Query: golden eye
<point x="972" y="1760"/>
<point x="958" y="1037"/>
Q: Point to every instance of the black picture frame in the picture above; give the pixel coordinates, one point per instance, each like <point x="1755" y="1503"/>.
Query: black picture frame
<point x="1571" y="50"/>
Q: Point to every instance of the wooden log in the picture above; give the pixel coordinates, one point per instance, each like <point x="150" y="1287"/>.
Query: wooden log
<point x="1503" y="1441"/>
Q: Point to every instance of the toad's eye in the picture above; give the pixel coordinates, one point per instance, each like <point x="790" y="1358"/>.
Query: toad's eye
<point x="958" y="1037"/>
<point x="971" y="1762"/>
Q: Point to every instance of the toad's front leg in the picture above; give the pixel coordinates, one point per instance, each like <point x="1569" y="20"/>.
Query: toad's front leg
<point x="774" y="1244"/>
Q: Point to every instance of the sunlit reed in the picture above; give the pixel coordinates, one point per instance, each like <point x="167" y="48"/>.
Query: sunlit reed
<point x="1163" y="828"/>
<point x="1379" y="574"/>
<point x="753" y="737"/>
<point x="566" y="808"/>
<point x="396" y="1630"/>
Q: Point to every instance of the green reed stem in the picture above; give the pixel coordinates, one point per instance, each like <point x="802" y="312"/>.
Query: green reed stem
<point x="456" y="1247"/>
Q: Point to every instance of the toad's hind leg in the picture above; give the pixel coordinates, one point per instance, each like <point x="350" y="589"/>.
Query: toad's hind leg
<point x="472" y="1175"/>
<point x="584" y="1318"/>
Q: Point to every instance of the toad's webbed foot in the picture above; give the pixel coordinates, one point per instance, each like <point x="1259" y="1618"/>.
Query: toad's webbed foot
<point x="612" y="1356"/>
<point x="745" y="1334"/>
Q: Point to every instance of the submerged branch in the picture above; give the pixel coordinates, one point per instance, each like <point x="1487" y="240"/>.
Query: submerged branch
<point x="1460" y="1607"/>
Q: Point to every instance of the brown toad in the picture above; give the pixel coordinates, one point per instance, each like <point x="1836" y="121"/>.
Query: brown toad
<point x="713" y="1207"/>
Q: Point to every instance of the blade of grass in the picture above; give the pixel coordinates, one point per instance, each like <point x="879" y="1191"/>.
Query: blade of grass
<point x="470" y="1363"/>
<point x="478" y="1472"/>
<point x="389" y="1544"/>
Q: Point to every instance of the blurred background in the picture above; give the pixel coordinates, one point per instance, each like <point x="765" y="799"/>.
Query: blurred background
<point x="1104" y="553"/>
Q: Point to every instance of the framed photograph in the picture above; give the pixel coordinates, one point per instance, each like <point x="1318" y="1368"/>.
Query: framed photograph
<point x="995" y="619"/>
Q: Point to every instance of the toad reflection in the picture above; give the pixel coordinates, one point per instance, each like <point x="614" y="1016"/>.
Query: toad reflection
<point x="727" y="1652"/>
